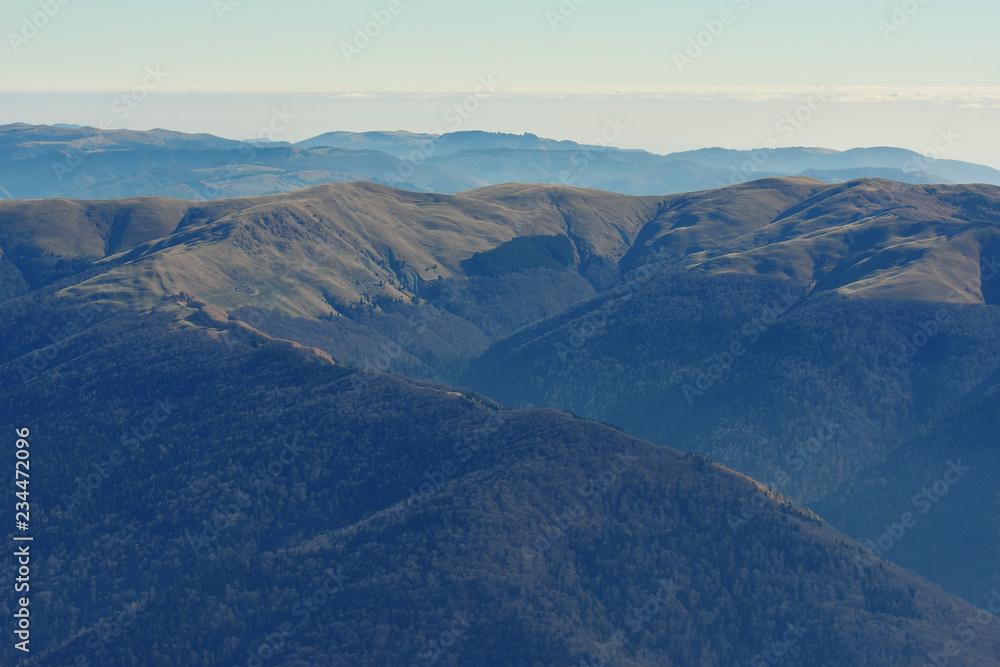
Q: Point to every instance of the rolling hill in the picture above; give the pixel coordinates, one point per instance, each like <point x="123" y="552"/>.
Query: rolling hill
<point x="342" y="243"/>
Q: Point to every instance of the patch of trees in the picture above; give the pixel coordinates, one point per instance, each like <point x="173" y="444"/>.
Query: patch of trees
<point x="522" y="253"/>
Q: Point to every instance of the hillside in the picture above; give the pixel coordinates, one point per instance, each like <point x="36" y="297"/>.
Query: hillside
<point x="869" y="237"/>
<point x="825" y="351"/>
<point x="657" y="359"/>
<point x="350" y="267"/>
<point x="254" y="504"/>
<point x="905" y="482"/>
<point x="340" y="242"/>
<point x="872" y="238"/>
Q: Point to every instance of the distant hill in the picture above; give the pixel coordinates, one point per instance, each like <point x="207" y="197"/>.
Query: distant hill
<point x="793" y="161"/>
<point x="404" y="144"/>
<point x="398" y="144"/>
<point x="21" y="141"/>
<point x="40" y="161"/>
<point x="853" y="174"/>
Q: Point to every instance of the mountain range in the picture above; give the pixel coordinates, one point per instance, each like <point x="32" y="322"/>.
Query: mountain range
<point x="40" y="161"/>
<point x="348" y="424"/>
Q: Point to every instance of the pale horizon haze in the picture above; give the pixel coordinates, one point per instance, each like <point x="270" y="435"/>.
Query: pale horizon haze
<point x="675" y="76"/>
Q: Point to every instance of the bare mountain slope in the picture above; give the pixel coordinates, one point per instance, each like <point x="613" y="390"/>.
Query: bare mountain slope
<point x="311" y="251"/>
<point x="868" y="237"/>
<point x="338" y="243"/>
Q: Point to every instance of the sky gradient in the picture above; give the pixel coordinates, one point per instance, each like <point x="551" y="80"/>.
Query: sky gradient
<point x="680" y="75"/>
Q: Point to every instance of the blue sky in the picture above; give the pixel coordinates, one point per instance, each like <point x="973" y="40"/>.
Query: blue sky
<point x="679" y="74"/>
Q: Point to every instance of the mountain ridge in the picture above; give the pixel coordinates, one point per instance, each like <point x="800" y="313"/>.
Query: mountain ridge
<point x="88" y="163"/>
<point x="417" y="511"/>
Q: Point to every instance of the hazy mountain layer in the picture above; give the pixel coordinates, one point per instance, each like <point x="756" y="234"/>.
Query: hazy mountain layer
<point x="88" y="163"/>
